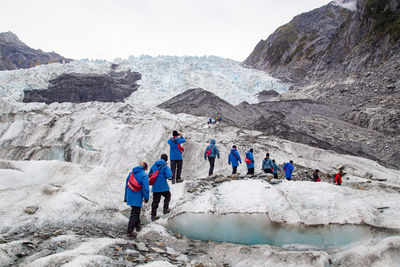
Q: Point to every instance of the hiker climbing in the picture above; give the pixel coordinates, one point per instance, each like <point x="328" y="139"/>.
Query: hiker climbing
<point x="211" y="152"/>
<point x="250" y="162"/>
<point x="175" y="155"/>
<point x="209" y="121"/>
<point x="338" y="177"/>
<point x="288" y="168"/>
<point x="160" y="185"/>
<point x="234" y="158"/>
<point x="316" y="176"/>
<point x="276" y="169"/>
<point x="267" y="164"/>
<point x="136" y="189"/>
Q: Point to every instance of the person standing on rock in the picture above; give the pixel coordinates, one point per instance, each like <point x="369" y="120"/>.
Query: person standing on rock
<point x="136" y="189"/>
<point x="275" y="169"/>
<point x="288" y="168"/>
<point x="338" y="178"/>
<point x="234" y="158"/>
<point x="250" y="162"/>
<point x="160" y="186"/>
<point x="267" y="164"/>
<point x="175" y="155"/>
<point x="211" y="152"/>
<point x="316" y="176"/>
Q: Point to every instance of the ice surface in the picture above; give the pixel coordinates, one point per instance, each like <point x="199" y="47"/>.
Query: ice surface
<point x="163" y="77"/>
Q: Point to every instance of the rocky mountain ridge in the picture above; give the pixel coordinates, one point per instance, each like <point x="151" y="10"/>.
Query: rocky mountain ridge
<point x="14" y="54"/>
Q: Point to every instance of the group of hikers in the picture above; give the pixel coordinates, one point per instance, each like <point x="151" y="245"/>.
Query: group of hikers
<point x="138" y="182"/>
<point x="211" y="121"/>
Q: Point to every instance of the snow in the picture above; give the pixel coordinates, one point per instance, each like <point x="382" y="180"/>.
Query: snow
<point x="163" y="77"/>
<point x="348" y="4"/>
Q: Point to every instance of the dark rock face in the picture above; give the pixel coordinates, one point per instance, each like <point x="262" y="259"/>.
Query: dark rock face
<point x="305" y="121"/>
<point x="14" y="54"/>
<point x="267" y="95"/>
<point x="77" y="88"/>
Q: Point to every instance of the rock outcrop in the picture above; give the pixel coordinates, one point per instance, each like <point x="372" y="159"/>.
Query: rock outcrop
<point x="305" y="121"/>
<point x="14" y="54"/>
<point x="78" y="88"/>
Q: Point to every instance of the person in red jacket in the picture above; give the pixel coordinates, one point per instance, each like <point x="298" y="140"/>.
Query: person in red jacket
<point x="338" y="178"/>
<point x="316" y="176"/>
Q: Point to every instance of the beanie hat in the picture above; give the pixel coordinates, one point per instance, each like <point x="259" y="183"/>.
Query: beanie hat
<point x="164" y="157"/>
<point x="175" y="133"/>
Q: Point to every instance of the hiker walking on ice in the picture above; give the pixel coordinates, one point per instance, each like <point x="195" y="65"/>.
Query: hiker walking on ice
<point x="276" y="169"/>
<point x="136" y="189"/>
<point x="234" y="158"/>
<point x="288" y="168"/>
<point x="267" y="164"/>
<point x="338" y="177"/>
<point x="211" y="152"/>
<point x="316" y="176"/>
<point x="175" y="155"/>
<point x="250" y="162"/>
<point x="160" y="186"/>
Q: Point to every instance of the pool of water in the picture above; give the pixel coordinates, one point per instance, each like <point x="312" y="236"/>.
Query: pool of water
<point x="253" y="229"/>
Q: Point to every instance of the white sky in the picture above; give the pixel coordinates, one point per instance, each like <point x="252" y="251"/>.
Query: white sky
<point x="107" y="29"/>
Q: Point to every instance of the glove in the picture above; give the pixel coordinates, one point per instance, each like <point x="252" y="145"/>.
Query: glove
<point x="146" y="200"/>
<point x="124" y="200"/>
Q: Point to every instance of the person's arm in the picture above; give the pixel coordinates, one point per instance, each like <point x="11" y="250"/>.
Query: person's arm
<point x="238" y="156"/>
<point x="126" y="187"/>
<point x="205" y="151"/>
<point x="181" y="140"/>
<point x="251" y="157"/>
<point x="167" y="172"/>
<point x="217" y="151"/>
<point x="229" y="159"/>
<point x="145" y="187"/>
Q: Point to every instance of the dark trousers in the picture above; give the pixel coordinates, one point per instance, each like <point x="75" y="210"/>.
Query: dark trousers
<point x="276" y="175"/>
<point x="176" y="165"/>
<point x="267" y="171"/>
<point x="212" y="161"/>
<point x="250" y="171"/>
<point x="134" y="219"/>
<point x="234" y="170"/>
<point x="157" y="199"/>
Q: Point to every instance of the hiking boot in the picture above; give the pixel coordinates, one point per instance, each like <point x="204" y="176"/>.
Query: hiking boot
<point x="154" y="218"/>
<point x="131" y="234"/>
<point x="166" y="211"/>
<point x="179" y="180"/>
<point x="138" y="228"/>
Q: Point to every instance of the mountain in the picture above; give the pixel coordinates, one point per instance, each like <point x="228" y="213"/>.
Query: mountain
<point x="14" y="54"/>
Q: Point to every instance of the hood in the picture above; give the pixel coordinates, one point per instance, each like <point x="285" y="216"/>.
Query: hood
<point x="138" y="169"/>
<point x="233" y="150"/>
<point x="159" y="163"/>
<point x="212" y="142"/>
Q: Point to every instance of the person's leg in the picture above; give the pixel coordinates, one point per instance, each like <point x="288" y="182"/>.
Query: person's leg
<point x="234" y="170"/>
<point x="251" y="171"/>
<point x="131" y="223"/>
<point x="179" y="170"/>
<point x="212" y="161"/>
<point x="134" y="219"/>
<point x="173" y="169"/>
<point x="167" y="198"/>
<point x="276" y="175"/>
<point x="154" y="204"/>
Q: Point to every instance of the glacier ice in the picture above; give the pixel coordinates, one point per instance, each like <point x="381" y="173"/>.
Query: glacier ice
<point x="163" y="77"/>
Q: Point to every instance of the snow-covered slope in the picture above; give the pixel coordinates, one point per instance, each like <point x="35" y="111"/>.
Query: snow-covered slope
<point x="163" y="77"/>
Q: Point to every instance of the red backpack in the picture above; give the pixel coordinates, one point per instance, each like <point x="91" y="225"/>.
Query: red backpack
<point x="153" y="175"/>
<point x="208" y="152"/>
<point x="181" y="149"/>
<point x="247" y="160"/>
<point x="133" y="183"/>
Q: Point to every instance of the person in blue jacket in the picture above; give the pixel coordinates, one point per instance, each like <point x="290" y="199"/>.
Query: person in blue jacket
<point x="288" y="168"/>
<point x="135" y="199"/>
<point x="234" y="158"/>
<point x="267" y="165"/>
<point x="250" y="165"/>
<point x="175" y="155"/>
<point x="276" y="169"/>
<point x="160" y="186"/>
<point x="214" y="152"/>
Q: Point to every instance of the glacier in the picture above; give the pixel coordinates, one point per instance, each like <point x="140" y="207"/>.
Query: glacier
<point x="163" y="77"/>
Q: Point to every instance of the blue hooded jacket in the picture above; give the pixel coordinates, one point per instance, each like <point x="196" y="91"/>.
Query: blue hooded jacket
<point x="276" y="169"/>
<point x="267" y="164"/>
<point x="214" y="150"/>
<point x="174" y="153"/>
<point x="249" y="155"/>
<point x="161" y="184"/>
<point x="136" y="198"/>
<point x="234" y="158"/>
<point x="288" y="167"/>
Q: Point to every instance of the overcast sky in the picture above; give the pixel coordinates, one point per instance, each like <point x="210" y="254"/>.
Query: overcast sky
<point x="107" y="29"/>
